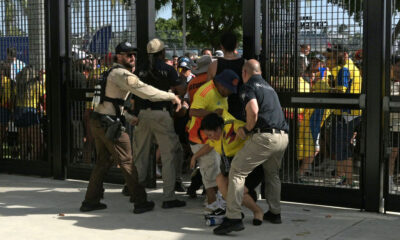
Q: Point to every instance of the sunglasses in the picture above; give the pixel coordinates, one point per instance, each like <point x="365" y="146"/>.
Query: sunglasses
<point x="129" y="54"/>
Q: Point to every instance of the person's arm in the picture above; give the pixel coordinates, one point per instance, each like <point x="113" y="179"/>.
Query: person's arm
<point x="203" y="151"/>
<point x="251" y="118"/>
<point x="133" y="84"/>
<point x="212" y="70"/>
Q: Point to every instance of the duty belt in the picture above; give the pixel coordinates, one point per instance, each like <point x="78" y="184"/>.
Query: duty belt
<point x="268" y="130"/>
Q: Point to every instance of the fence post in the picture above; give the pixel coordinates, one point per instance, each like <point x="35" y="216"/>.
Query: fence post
<point x="374" y="55"/>
<point x="145" y="18"/>
<point x="56" y="52"/>
<point x="251" y="21"/>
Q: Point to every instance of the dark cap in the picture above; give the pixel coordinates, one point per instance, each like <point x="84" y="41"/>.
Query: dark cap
<point x="125" y="47"/>
<point x="319" y="57"/>
<point x="184" y="62"/>
<point x="229" y="79"/>
<point x="337" y="48"/>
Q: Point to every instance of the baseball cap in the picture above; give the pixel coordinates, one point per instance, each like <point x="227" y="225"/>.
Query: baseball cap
<point x="202" y="64"/>
<point x="219" y="53"/>
<point x="184" y="62"/>
<point x="337" y="48"/>
<point x="125" y="47"/>
<point x="155" y="45"/>
<point x="229" y="79"/>
<point x="319" y="57"/>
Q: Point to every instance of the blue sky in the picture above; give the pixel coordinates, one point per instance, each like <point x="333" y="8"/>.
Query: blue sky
<point x="165" y="12"/>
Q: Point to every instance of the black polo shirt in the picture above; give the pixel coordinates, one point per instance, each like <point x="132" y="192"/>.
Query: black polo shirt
<point x="270" y="114"/>
<point x="162" y="77"/>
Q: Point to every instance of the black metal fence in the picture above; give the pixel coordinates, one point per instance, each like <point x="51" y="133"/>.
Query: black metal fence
<point x="23" y="125"/>
<point x="318" y="55"/>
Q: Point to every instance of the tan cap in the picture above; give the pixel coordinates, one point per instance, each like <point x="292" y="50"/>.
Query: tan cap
<point x="155" y="45"/>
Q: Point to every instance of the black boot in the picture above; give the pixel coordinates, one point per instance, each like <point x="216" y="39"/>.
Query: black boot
<point x="143" y="207"/>
<point x="273" y="218"/>
<point x="229" y="225"/>
<point x="87" y="207"/>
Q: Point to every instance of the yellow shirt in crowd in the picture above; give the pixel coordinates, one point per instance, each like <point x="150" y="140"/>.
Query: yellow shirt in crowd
<point x="208" y="98"/>
<point x="35" y="91"/>
<point x="5" y="92"/>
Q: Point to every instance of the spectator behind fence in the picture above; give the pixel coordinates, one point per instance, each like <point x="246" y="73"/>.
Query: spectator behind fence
<point x="15" y="64"/>
<point x="6" y="104"/>
<point x="394" y="122"/>
<point x="347" y="81"/>
<point x="206" y="51"/>
<point x="29" y="91"/>
<point x="303" y="61"/>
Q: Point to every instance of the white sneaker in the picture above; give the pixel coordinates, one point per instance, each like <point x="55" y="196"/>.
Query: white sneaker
<point x="221" y="201"/>
<point x="211" y="207"/>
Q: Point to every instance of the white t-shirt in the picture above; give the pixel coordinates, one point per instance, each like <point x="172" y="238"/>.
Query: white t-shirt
<point x="16" y="67"/>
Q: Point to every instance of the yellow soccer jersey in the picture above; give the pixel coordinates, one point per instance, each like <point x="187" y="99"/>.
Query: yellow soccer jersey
<point x="231" y="141"/>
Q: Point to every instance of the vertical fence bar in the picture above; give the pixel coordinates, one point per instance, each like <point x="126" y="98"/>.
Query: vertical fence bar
<point x="145" y="15"/>
<point x="55" y="98"/>
<point x="265" y="51"/>
<point x="374" y="42"/>
<point x="251" y="28"/>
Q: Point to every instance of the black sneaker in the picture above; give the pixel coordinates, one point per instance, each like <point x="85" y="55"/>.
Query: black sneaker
<point x="143" y="207"/>
<point x="191" y="192"/>
<point x="125" y="191"/>
<point x="179" y="187"/>
<point x="229" y="225"/>
<point x="273" y="218"/>
<point x="173" y="203"/>
<point x="87" y="207"/>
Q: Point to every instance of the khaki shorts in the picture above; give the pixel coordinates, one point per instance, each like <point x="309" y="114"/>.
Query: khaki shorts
<point x="209" y="166"/>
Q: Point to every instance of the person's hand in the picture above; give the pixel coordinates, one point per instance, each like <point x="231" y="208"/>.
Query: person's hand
<point x="241" y="133"/>
<point x="178" y="103"/>
<point x="193" y="162"/>
<point x="219" y="111"/>
<point x="185" y="105"/>
<point x="134" y="121"/>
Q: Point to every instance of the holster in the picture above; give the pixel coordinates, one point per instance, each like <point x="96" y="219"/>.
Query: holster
<point x="113" y="127"/>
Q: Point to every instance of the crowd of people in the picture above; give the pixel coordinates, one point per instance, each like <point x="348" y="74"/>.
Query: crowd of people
<point x="213" y="112"/>
<point x="217" y="108"/>
<point x="22" y="107"/>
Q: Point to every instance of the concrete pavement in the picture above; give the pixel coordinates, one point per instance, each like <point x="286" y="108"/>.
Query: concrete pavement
<point x="43" y="208"/>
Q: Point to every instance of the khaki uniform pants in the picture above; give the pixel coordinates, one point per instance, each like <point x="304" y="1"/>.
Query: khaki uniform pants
<point x="261" y="148"/>
<point x="157" y="124"/>
<point x="121" y="152"/>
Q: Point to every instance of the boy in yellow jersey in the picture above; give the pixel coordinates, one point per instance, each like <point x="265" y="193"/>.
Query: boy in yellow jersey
<point x="222" y="138"/>
<point x="210" y="97"/>
<point x="347" y="81"/>
<point x="309" y="129"/>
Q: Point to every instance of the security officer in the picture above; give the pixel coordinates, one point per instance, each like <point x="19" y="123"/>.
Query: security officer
<point x="116" y="145"/>
<point x="266" y="145"/>
<point x="156" y="122"/>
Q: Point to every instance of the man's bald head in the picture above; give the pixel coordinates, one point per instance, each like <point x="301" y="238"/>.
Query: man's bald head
<point x="250" y="68"/>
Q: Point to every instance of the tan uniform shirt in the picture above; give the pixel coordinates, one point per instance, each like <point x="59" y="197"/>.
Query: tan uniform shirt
<point x="121" y="82"/>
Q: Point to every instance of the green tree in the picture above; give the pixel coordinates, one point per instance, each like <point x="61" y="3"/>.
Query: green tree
<point x="207" y="20"/>
<point x="169" y="31"/>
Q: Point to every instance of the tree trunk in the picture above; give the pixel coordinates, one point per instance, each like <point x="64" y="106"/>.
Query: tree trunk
<point x="36" y="33"/>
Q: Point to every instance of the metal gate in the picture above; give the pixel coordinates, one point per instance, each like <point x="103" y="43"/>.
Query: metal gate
<point x="94" y="30"/>
<point x="23" y="113"/>
<point x="391" y="107"/>
<point x="314" y="62"/>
